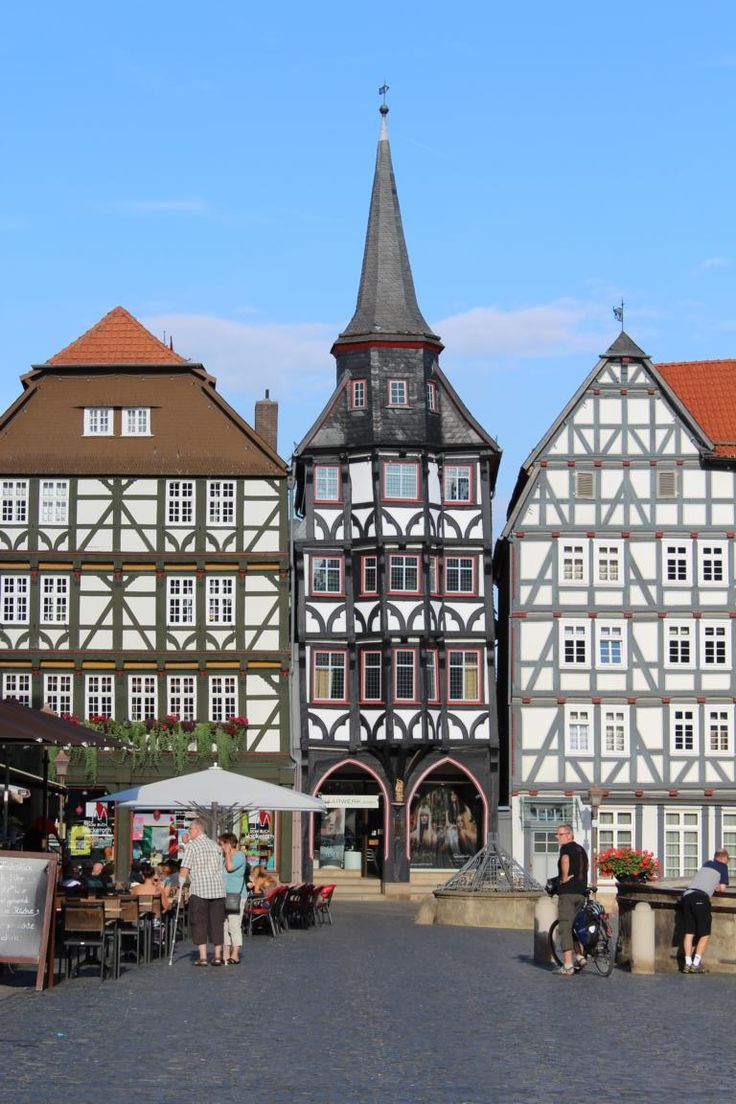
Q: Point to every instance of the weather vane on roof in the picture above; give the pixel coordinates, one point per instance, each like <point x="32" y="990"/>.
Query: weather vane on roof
<point x="618" y="314"/>
<point x="382" y="92"/>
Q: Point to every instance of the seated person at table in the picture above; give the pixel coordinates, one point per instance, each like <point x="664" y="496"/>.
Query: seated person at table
<point x="95" y="879"/>
<point x="262" y="879"/>
<point x="71" y="879"/>
<point x="169" y="876"/>
<point x="150" y="886"/>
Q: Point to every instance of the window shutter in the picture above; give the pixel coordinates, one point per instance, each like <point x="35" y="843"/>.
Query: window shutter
<point x="666" y="484"/>
<point x="584" y="485"/>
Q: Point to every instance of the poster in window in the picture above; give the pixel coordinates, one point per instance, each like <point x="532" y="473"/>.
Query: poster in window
<point x="258" y="838"/>
<point x="444" y="825"/>
<point x="332" y="837"/>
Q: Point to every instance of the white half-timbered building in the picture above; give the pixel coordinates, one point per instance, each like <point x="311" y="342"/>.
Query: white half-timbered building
<point x="616" y="583"/>
<point x="143" y="545"/>
<point x="393" y="585"/>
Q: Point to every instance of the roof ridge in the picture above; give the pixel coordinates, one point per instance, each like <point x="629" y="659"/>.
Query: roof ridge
<point x="117" y="338"/>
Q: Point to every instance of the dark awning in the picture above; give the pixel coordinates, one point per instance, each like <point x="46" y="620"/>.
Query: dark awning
<point x="21" y="725"/>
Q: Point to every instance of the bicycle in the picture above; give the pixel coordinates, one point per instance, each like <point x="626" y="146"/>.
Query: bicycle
<point x="592" y="930"/>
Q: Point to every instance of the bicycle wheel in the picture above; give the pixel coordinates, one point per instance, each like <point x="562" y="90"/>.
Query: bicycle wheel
<point x="603" y="955"/>
<point x="554" y="943"/>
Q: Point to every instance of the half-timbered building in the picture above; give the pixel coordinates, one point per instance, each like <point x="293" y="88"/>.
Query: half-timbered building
<point x="394" y="616"/>
<point x="616" y="586"/>
<point x="144" y="563"/>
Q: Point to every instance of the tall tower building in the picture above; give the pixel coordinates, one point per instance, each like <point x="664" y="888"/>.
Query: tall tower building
<point x="394" y="627"/>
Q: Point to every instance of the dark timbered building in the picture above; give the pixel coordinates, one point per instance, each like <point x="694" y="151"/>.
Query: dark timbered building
<point x="393" y="590"/>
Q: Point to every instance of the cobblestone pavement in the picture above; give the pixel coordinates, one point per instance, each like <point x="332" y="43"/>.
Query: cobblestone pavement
<point x="373" y="1009"/>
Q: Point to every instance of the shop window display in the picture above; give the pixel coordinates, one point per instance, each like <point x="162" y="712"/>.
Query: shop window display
<point x="445" y="822"/>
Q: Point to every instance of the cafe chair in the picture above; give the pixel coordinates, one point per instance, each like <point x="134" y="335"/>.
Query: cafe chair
<point x="84" y="928"/>
<point x="322" y="900"/>
<point x="259" y="912"/>
<point x="129" y="927"/>
<point x="298" y="907"/>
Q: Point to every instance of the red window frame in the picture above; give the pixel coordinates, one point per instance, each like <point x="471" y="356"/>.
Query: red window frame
<point x="406" y="556"/>
<point x="432" y="404"/>
<point x="328" y="501"/>
<point x="461" y="593"/>
<point x="331" y="651"/>
<point x="401" y="405"/>
<point x="363" y="699"/>
<point x="313" y="556"/>
<point x="404" y="464"/>
<point x="470" y="500"/>
<point x="465" y="701"/>
<point x="363" y="589"/>
<point x="433" y="658"/>
<point x="414" y="650"/>
<point x="353" y="404"/>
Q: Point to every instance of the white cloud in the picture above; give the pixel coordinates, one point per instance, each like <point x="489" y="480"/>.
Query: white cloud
<point x="248" y="356"/>
<point x="713" y="262"/>
<point x="562" y="326"/>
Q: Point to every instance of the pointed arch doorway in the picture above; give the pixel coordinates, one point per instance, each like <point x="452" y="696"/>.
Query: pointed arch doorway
<point x="448" y="817"/>
<point x="353" y="834"/>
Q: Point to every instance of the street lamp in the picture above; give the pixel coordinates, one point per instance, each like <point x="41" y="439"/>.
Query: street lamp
<point x="595" y="797"/>
<point x="61" y="765"/>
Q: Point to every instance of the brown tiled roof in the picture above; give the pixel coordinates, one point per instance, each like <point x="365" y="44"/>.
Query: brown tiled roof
<point x="708" y="389"/>
<point x="118" y="338"/>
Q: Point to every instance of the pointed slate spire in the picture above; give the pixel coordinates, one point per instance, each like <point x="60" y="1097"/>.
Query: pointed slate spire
<point x="387" y="303"/>
<point x="624" y="346"/>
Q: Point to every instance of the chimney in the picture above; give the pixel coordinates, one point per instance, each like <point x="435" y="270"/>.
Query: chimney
<point x="267" y="421"/>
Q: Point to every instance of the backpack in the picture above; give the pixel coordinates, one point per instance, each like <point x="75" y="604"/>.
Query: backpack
<point x="587" y="924"/>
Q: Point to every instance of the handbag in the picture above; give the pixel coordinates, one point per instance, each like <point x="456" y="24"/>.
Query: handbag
<point x="232" y="900"/>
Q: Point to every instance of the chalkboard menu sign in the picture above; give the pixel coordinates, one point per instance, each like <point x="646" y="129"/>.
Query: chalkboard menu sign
<point x="27" y="883"/>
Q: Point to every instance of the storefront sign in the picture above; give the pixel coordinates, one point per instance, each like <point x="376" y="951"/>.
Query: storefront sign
<point x="350" y="801"/>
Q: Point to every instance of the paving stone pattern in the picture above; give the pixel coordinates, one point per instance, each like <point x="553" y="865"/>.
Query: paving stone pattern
<point x="373" y="1009"/>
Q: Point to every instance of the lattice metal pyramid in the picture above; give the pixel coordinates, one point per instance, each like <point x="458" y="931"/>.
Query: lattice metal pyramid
<point x="490" y="871"/>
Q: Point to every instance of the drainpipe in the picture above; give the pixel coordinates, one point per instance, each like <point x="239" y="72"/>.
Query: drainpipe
<point x="293" y="710"/>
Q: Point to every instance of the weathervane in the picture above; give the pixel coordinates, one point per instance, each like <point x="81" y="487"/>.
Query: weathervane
<point x="382" y="92"/>
<point x="618" y="314"/>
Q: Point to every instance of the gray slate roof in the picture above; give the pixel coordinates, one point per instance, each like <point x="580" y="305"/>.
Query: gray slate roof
<point x="624" y="346"/>
<point x="387" y="303"/>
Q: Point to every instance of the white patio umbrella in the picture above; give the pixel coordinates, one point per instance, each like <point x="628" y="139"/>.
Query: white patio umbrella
<point x="215" y="787"/>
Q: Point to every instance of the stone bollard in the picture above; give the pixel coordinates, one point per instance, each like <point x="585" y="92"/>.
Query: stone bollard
<point x="545" y="914"/>
<point x="642" y="939"/>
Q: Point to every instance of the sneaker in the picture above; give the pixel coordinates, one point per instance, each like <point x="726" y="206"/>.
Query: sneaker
<point x="687" y="969"/>
<point x="580" y="964"/>
<point x="699" y="969"/>
<point x="565" y="971"/>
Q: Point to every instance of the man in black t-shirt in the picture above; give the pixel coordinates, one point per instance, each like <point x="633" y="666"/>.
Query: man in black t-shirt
<point x="572" y="867"/>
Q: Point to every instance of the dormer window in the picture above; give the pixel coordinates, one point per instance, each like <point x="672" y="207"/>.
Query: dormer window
<point x="398" y="394"/>
<point x="357" y="394"/>
<point x="136" y="421"/>
<point x="98" y="421"/>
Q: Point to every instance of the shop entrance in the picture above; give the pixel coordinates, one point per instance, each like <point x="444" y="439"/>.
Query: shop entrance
<point x="350" y="835"/>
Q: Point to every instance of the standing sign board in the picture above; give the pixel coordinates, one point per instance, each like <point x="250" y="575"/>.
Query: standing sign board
<point x="27" y="884"/>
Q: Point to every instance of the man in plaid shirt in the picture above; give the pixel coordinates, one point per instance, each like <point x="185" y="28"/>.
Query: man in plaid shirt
<point x="202" y="864"/>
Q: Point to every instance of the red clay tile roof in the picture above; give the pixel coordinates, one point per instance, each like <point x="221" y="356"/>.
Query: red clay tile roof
<point x="708" y="389"/>
<point x="118" y="338"/>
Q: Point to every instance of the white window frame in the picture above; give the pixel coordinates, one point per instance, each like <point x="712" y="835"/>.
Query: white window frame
<point x="223" y="697"/>
<point x="17" y="687"/>
<point x="100" y="690"/>
<point x="615" y="731"/>
<point x="572" y="563"/>
<point x="398" y="392"/>
<point x="58" y="692"/>
<point x="461" y="565"/>
<point x="718" y="730"/>
<point x="715" y="645"/>
<point x="221" y="498"/>
<point x="712" y="556"/>
<point x="465" y="667"/>
<point x="142" y="697"/>
<point x="99" y="421"/>
<point x="405" y="564"/>
<point x="576" y="630"/>
<point x="609" y="552"/>
<point x="607" y="635"/>
<point x="432" y="403"/>
<point x="136" y="421"/>
<point x="181" y="696"/>
<point x="331" y="569"/>
<point x="457" y="484"/>
<point x="673" y="630"/>
<point x="14" y="505"/>
<point x="365" y="567"/>
<point x="220" y="599"/>
<point x="679" y="824"/>
<point x="398" y="469"/>
<point x="53" y="506"/>
<point x="684" y="727"/>
<point x="54" y="599"/>
<point x="358" y="394"/>
<point x="15" y="594"/>
<point x="400" y="653"/>
<point x="180" y="502"/>
<point x="616" y="827"/>
<point x="678" y="556"/>
<point x="181" y="596"/>
<point x="579" y="721"/>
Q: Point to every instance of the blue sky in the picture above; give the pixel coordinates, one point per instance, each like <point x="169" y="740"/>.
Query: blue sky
<point x="209" y="167"/>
